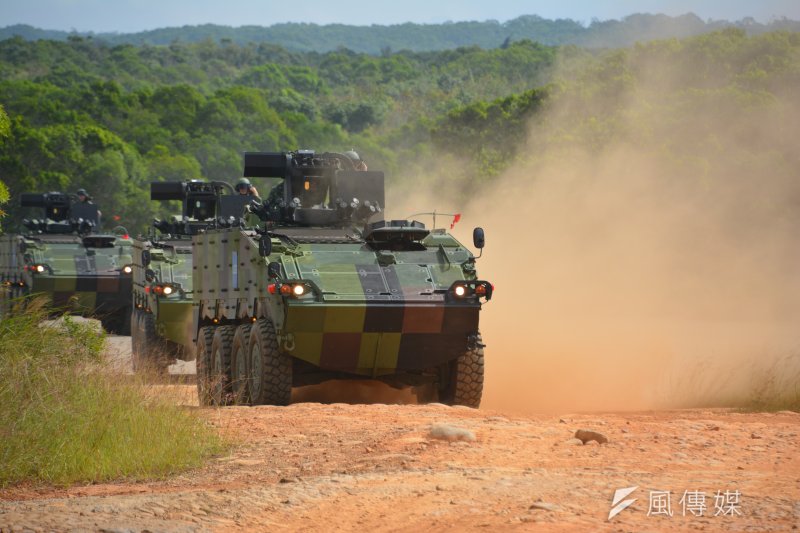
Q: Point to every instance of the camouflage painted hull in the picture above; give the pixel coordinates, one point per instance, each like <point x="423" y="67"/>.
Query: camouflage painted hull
<point x="86" y="281"/>
<point x="174" y="322"/>
<point x="367" y="317"/>
<point x="85" y="295"/>
<point x="378" y="339"/>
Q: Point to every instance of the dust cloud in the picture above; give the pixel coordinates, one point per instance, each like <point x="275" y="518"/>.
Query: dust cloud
<point x="618" y="291"/>
<point x="654" y="264"/>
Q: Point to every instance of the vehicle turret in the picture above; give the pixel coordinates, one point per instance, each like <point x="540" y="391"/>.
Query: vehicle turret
<point x="62" y="214"/>
<point x="326" y="189"/>
<point x="203" y="204"/>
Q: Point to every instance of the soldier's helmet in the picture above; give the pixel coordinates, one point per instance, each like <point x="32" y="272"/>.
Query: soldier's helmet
<point x="355" y="159"/>
<point x="242" y="184"/>
<point x="83" y="196"/>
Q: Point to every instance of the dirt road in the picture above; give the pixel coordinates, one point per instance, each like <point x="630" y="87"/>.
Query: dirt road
<point x="312" y="466"/>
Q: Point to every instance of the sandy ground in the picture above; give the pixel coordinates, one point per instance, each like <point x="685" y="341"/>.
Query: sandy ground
<point x="315" y="466"/>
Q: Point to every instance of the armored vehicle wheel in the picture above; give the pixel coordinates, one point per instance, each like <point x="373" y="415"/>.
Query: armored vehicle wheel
<point x="151" y="346"/>
<point x="204" y="338"/>
<point x="117" y="323"/>
<point x="5" y="304"/>
<point x="177" y="351"/>
<point x="270" y="370"/>
<point x="110" y="323"/>
<point x="139" y="355"/>
<point x="136" y="335"/>
<point x="239" y="364"/>
<point x="125" y="321"/>
<point x="221" y="345"/>
<point x="463" y="383"/>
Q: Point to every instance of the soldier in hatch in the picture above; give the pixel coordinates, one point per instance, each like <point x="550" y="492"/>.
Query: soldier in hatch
<point x="83" y="196"/>
<point x="358" y="163"/>
<point x="243" y="186"/>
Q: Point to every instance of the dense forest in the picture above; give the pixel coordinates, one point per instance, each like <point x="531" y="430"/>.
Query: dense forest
<point x="375" y="39"/>
<point x="111" y="118"/>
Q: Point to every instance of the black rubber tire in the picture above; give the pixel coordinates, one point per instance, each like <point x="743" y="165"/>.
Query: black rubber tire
<point x="6" y="293"/>
<point x="240" y="364"/>
<point x="124" y="321"/>
<point x="151" y="346"/>
<point x="204" y="338"/>
<point x="270" y="376"/>
<point x="221" y="345"/>
<point x="136" y="340"/>
<point x="118" y="322"/>
<point x="464" y="383"/>
<point x="177" y="351"/>
<point x="109" y="323"/>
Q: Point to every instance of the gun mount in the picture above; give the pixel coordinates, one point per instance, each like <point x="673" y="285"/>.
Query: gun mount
<point x="62" y="214"/>
<point x="205" y="204"/>
<point x="323" y="189"/>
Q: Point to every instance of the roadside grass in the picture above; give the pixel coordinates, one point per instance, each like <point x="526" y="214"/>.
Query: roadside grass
<point x="67" y="416"/>
<point x="776" y="388"/>
<point x="766" y="384"/>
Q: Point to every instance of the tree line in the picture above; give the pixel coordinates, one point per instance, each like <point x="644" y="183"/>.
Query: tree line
<point x="376" y="39"/>
<point x="111" y="118"/>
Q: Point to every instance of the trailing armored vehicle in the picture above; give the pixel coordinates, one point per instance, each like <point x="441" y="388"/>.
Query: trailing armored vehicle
<point x="161" y="322"/>
<point x="321" y="290"/>
<point x="61" y="257"/>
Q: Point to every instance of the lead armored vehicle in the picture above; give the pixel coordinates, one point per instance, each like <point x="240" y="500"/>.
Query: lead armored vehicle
<point x="61" y="257"/>
<point x="161" y="323"/>
<point x="323" y="290"/>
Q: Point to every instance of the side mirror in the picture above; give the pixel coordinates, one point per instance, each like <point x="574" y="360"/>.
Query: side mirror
<point x="145" y="258"/>
<point x="150" y="275"/>
<point x="478" y="238"/>
<point x="274" y="270"/>
<point x="264" y="245"/>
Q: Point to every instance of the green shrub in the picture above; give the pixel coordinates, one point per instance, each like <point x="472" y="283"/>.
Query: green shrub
<point x="68" y="417"/>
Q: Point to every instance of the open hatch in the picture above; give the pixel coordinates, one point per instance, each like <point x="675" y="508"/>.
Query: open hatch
<point x="396" y="235"/>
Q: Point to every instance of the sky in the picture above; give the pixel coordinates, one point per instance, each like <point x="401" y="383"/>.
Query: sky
<point x="138" y="15"/>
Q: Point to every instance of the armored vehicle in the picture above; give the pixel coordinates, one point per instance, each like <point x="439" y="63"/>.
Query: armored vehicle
<point x="61" y="257"/>
<point x="161" y="323"/>
<point x="322" y="290"/>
